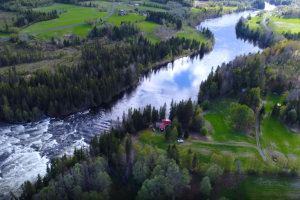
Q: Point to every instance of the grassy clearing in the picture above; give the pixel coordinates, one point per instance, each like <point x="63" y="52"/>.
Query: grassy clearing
<point x="191" y="34"/>
<point x="277" y="140"/>
<point x="116" y="19"/>
<point x="279" y="25"/>
<point x="272" y="99"/>
<point x="148" y="26"/>
<point x="152" y="39"/>
<point x="80" y="30"/>
<point x="74" y="15"/>
<point x="205" y="150"/>
<point x="224" y="131"/>
<point x="253" y="22"/>
<point x="270" y="188"/>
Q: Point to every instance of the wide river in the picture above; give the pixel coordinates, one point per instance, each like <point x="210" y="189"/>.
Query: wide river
<point x="26" y="149"/>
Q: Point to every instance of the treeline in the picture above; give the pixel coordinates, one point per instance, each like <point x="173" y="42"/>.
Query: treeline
<point x="69" y="1"/>
<point x="146" y="171"/>
<point x="266" y="37"/>
<point x="18" y="5"/>
<point x="154" y="5"/>
<point x="280" y="2"/>
<point x="30" y="16"/>
<point x="266" y="71"/>
<point x="259" y="4"/>
<point x="10" y="56"/>
<point x="104" y="73"/>
<point x="164" y="18"/>
<point x="291" y="36"/>
<point x="126" y="29"/>
<point x="187" y="3"/>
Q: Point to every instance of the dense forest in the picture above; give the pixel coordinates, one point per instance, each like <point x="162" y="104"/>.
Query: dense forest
<point x="280" y="2"/>
<point x="114" y="161"/>
<point x="272" y="70"/>
<point x="164" y="18"/>
<point x="104" y="72"/>
<point x="259" y="4"/>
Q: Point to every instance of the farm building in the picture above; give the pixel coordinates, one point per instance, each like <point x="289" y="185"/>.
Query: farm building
<point x="163" y="124"/>
<point x="122" y="12"/>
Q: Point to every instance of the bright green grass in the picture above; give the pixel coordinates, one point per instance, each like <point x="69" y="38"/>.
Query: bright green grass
<point x="4" y="34"/>
<point x="223" y="130"/>
<point x="74" y="14"/>
<point x="205" y="150"/>
<point x="116" y="19"/>
<point x="271" y="188"/>
<point x="80" y="30"/>
<point x="281" y="25"/>
<point x="191" y="34"/>
<point x="252" y="23"/>
<point x="148" y="26"/>
<point x="272" y="99"/>
<point x="277" y="138"/>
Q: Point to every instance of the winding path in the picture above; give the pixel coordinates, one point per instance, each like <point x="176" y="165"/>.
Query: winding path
<point x="264" y="22"/>
<point x="60" y="27"/>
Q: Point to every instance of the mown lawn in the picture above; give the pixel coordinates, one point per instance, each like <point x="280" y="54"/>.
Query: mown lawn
<point x="190" y="34"/>
<point x="223" y="130"/>
<point x="74" y="15"/>
<point x="271" y="188"/>
<point x="277" y="139"/>
<point x="280" y="25"/>
<point x="116" y="19"/>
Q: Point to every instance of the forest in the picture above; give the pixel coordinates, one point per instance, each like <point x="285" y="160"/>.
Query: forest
<point x="164" y="18"/>
<point x="104" y="72"/>
<point x="30" y="16"/>
<point x="267" y="71"/>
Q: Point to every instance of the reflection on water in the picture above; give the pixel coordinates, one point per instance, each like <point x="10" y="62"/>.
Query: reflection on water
<point x="25" y="149"/>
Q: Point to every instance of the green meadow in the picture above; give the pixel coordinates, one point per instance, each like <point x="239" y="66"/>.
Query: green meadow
<point x="74" y="15"/>
<point x="204" y="150"/>
<point x="271" y="188"/>
<point x="223" y="130"/>
<point x="191" y="34"/>
<point x="273" y="99"/>
<point x="277" y="140"/>
<point x="280" y="25"/>
<point x="253" y="22"/>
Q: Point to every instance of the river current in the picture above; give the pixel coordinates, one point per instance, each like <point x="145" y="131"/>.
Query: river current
<point x="25" y="149"/>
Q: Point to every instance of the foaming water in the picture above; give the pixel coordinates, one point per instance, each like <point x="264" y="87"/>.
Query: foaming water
<point x="26" y="149"/>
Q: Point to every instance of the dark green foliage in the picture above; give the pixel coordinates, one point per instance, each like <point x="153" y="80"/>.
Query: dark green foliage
<point x="158" y="18"/>
<point x="204" y="131"/>
<point x="168" y="133"/>
<point x="275" y="110"/>
<point x="28" y="190"/>
<point x="251" y="98"/>
<point x="30" y="16"/>
<point x="173" y="153"/>
<point x="186" y="133"/>
<point x="262" y="111"/>
<point x="206" y="105"/>
<point x="259" y="4"/>
<point x="97" y="79"/>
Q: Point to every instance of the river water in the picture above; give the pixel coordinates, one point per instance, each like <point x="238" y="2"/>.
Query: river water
<point x="26" y="149"/>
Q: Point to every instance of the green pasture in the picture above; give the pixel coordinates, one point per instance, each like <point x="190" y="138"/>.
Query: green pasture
<point x="80" y="30"/>
<point x="279" y="25"/>
<point x="271" y="188"/>
<point x="74" y="15"/>
<point x="273" y="99"/>
<point x="148" y="26"/>
<point x="252" y="23"/>
<point x="204" y="150"/>
<point x="190" y="34"/>
<point x="277" y="140"/>
<point x="116" y="19"/>
<point x="4" y="34"/>
<point x="223" y="130"/>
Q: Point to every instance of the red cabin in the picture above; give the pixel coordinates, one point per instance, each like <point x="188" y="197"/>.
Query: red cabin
<point x="163" y="124"/>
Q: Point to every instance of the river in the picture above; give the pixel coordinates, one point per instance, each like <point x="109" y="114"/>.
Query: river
<point x="26" y="149"/>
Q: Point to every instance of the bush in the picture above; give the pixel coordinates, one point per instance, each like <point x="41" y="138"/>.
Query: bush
<point x="206" y="105"/>
<point x="204" y="131"/>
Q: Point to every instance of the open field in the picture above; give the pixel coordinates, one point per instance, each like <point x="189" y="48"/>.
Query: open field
<point x="279" y="25"/>
<point x="261" y="188"/>
<point x="116" y="19"/>
<point x="272" y="99"/>
<point x="204" y="150"/>
<point x="148" y="26"/>
<point x="252" y="23"/>
<point x="74" y="14"/>
<point x="191" y="34"/>
<point x="80" y="30"/>
<point x="277" y="140"/>
<point x="223" y="130"/>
